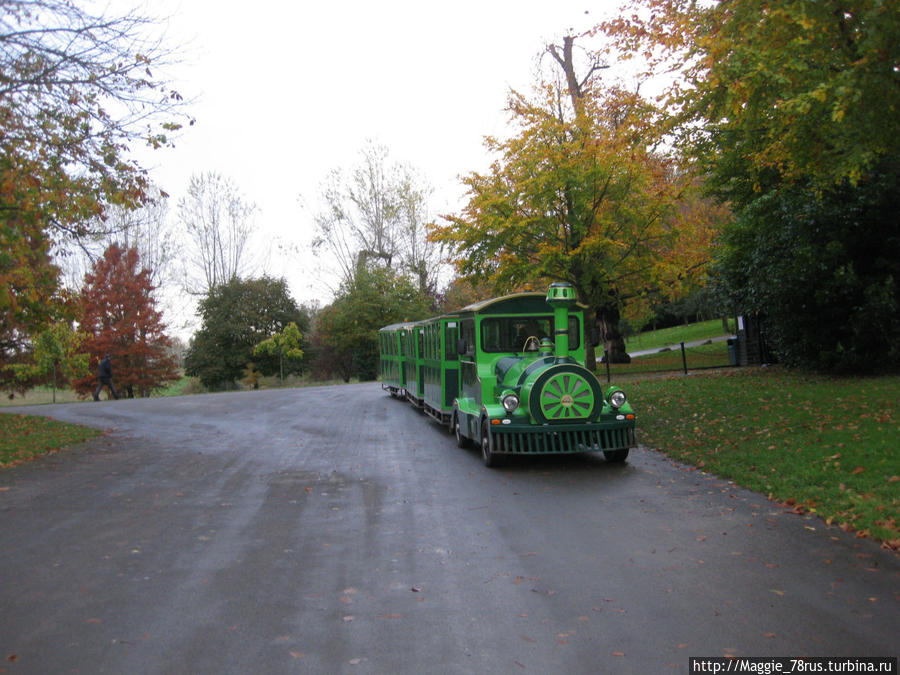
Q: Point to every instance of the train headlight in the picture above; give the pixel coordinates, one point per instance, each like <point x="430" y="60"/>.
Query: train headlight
<point x="617" y="398"/>
<point x="510" y="401"/>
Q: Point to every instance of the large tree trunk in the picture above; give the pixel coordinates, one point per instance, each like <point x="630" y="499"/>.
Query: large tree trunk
<point x="611" y="336"/>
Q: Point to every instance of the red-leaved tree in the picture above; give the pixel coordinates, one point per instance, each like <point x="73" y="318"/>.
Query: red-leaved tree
<point x="120" y="318"/>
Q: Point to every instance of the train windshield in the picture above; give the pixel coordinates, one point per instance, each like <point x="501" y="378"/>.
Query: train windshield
<point x="509" y="334"/>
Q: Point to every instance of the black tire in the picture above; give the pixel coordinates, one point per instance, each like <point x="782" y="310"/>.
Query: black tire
<point x="491" y="459"/>
<point x="461" y="441"/>
<point x="616" y="455"/>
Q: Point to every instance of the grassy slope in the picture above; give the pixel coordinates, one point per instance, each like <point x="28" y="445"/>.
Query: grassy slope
<point x="665" y="337"/>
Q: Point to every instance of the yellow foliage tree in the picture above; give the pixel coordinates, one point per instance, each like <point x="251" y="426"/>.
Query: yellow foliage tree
<point x="581" y="193"/>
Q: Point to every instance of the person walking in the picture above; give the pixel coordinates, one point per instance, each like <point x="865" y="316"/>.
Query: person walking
<point x="105" y="377"/>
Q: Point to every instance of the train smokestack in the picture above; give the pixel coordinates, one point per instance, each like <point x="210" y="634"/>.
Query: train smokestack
<point x="561" y="296"/>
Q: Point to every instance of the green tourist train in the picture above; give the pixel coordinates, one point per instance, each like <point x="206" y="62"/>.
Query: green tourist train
<point x="507" y="375"/>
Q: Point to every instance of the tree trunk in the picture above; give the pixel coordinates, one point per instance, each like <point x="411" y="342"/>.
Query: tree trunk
<point x="611" y="336"/>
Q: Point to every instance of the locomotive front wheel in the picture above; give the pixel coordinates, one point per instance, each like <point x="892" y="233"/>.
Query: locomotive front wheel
<point x="616" y="455"/>
<point x="461" y="441"/>
<point x="487" y="446"/>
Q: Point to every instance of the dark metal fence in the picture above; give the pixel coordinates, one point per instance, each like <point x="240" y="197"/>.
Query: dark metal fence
<point x="684" y="357"/>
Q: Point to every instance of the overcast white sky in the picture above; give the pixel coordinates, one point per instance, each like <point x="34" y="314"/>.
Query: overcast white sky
<point x="288" y="91"/>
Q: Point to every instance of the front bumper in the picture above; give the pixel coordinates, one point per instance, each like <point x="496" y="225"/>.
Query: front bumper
<point x="546" y="439"/>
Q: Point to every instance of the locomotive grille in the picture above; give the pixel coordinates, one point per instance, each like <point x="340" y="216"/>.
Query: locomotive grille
<point x="561" y="442"/>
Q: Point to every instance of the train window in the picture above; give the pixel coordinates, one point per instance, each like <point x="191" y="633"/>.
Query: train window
<point x="509" y="334"/>
<point x="467" y="333"/>
<point x="451" y="337"/>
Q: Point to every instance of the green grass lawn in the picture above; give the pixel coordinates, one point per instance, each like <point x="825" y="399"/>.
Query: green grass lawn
<point x="821" y="445"/>
<point x="23" y="437"/>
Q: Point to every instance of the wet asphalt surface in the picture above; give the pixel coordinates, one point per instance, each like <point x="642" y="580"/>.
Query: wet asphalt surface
<point x="337" y="530"/>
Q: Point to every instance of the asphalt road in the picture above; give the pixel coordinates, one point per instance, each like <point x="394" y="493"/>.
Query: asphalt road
<point x="336" y="530"/>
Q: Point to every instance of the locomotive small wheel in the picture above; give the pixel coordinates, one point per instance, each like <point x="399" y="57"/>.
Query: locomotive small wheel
<point x="461" y="441"/>
<point x="487" y="446"/>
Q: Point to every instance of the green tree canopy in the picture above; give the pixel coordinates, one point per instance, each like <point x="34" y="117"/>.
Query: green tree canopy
<point x="236" y="316"/>
<point x="824" y="272"/>
<point x="347" y="330"/>
<point x="56" y="358"/>
<point x="793" y="111"/>
<point x="285" y="346"/>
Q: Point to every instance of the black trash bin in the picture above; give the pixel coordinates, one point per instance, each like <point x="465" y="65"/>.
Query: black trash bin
<point x="732" y="352"/>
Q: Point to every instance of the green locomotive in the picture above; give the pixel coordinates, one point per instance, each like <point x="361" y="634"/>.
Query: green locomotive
<point x="506" y="374"/>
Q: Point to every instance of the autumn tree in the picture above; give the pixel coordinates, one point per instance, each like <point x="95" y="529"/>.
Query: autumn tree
<point x="120" y="318"/>
<point x="791" y="111"/>
<point x="217" y="220"/>
<point x="579" y="192"/>
<point x="76" y="89"/>
<point x="236" y="316"/>
<point x="376" y="216"/>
